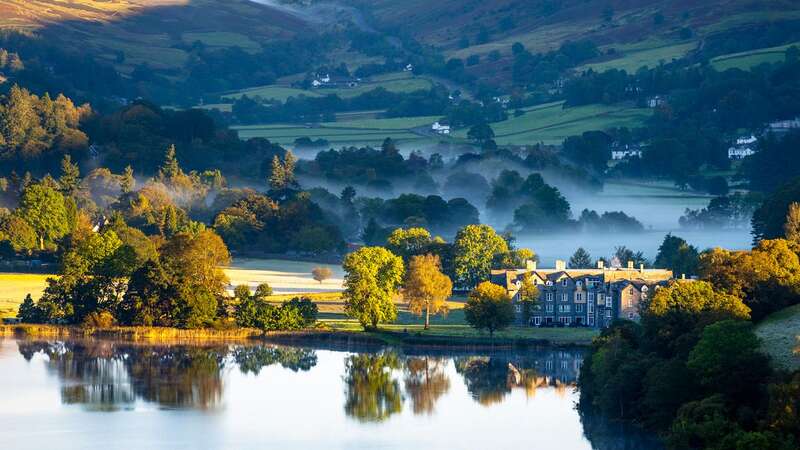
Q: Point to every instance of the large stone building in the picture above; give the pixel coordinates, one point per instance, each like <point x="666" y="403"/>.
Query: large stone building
<point x="583" y="297"/>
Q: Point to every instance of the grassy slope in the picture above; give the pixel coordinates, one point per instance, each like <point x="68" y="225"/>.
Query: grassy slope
<point x="780" y="335"/>
<point x="148" y="31"/>
<point x="748" y="60"/>
<point x="395" y="82"/>
<point x="550" y="123"/>
<point x="15" y="286"/>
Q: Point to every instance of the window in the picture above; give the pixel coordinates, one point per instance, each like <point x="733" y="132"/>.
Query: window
<point x="608" y="302"/>
<point x="590" y="296"/>
<point x="518" y="308"/>
<point x="565" y="320"/>
<point x="630" y="315"/>
<point x="549" y="308"/>
<point x="537" y="321"/>
<point x="564" y="282"/>
<point x="600" y="298"/>
<point x="564" y="308"/>
<point x="578" y="308"/>
<point x="608" y="314"/>
<point x="579" y="283"/>
<point x="591" y="321"/>
<point x="579" y="296"/>
<point x="549" y="283"/>
<point x="549" y="296"/>
<point x="565" y="364"/>
<point x="590" y="306"/>
<point x="548" y="364"/>
<point x="564" y="297"/>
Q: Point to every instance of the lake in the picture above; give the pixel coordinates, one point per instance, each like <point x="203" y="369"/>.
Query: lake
<point x="85" y="394"/>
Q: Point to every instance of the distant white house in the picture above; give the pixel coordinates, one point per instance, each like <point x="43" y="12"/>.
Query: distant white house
<point x="627" y="151"/>
<point x="746" y="140"/>
<point x="656" y="101"/>
<point x="408" y="68"/>
<point x="782" y="126"/>
<point x="740" y="152"/>
<point x="617" y="155"/>
<point x="440" y="128"/>
<point x="320" y="81"/>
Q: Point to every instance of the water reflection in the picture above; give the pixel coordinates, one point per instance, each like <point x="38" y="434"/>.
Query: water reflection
<point x="425" y="382"/>
<point x="343" y="394"/>
<point x="108" y="375"/>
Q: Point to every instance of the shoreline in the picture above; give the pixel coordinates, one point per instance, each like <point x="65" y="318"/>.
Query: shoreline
<point x="378" y="338"/>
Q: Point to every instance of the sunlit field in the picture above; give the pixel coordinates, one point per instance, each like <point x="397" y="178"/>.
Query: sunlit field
<point x="15" y="286"/>
<point x="285" y="277"/>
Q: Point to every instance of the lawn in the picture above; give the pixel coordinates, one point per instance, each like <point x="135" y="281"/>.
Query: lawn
<point x="780" y="336"/>
<point x="750" y="59"/>
<point x="15" y="286"/>
<point x="551" y="123"/>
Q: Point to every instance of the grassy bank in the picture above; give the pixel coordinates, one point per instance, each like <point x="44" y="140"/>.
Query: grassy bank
<point x="780" y="337"/>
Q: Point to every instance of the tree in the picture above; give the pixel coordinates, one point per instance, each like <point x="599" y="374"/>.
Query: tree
<point x="791" y="228"/>
<point x="678" y="256"/>
<point x="149" y="298"/>
<point x="372" y="394"/>
<point x="528" y="296"/>
<point x="18" y="233"/>
<point x="263" y="291"/>
<point x="480" y="133"/>
<point x="489" y="307"/>
<point x="28" y="311"/>
<point x="426" y="288"/>
<point x="127" y="181"/>
<point x="45" y="210"/>
<point x="408" y="242"/>
<point x="372" y="277"/>
<point x="277" y="177"/>
<point x="581" y="259"/>
<point x="289" y="163"/>
<point x="321" y="273"/>
<point x="170" y="168"/>
<point x="727" y="360"/>
<point x="70" y="176"/>
<point x="475" y="247"/>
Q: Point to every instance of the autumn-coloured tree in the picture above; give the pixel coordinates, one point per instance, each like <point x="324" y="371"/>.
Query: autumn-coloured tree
<point x="791" y="228"/>
<point x="321" y="273"/>
<point x="426" y="288"/>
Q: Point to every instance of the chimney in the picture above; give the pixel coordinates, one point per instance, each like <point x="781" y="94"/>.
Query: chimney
<point x="683" y="276"/>
<point x="641" y="268"/>
<point x="601" y="264"/>
<point x="630" y="265"/>
<point x="530" y="265"/>
<point x="561" y="265"/>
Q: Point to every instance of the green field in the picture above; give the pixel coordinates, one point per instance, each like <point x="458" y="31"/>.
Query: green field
<point x="394" y="82"/>
<point x="631" y="58"/>
<point x="551" y="124"/>
<point x="364" y="131"/>
<point x="748" y="60"/>
<point x="780" y="336"/>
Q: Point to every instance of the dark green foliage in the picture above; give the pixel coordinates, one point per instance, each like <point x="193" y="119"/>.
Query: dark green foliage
<point x="678" y="256"/>
<point x="29" y="312"/>
<point x="149" y="298"/>
<point x="769" y="218"/>
<point x="581" y="259"/>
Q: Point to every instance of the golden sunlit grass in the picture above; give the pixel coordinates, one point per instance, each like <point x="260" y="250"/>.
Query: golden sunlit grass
<point x="15" y="286"/>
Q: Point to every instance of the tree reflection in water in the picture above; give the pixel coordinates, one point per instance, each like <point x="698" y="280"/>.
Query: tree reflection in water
<point x="372" y="393"/>
<point x="107" y="375"/>
<point x="425" y="382"/>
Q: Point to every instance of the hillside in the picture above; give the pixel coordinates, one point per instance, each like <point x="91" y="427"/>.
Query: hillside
<point x="131" y="32"/>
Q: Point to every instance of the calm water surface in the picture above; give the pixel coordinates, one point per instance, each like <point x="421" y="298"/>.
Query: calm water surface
<point x="113" y="395"/>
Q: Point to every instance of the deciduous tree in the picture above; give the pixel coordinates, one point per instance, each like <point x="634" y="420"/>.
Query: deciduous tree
<point x="321" y="273"/>
<point x="426" y="288"/>
<point x="475" y="247"/>
<point x="372" y="277"/>
<point x="44" y="209"/>
<point x="489" y="307"/>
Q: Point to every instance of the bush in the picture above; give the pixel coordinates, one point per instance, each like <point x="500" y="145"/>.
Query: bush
<point x="99" y="319"/>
